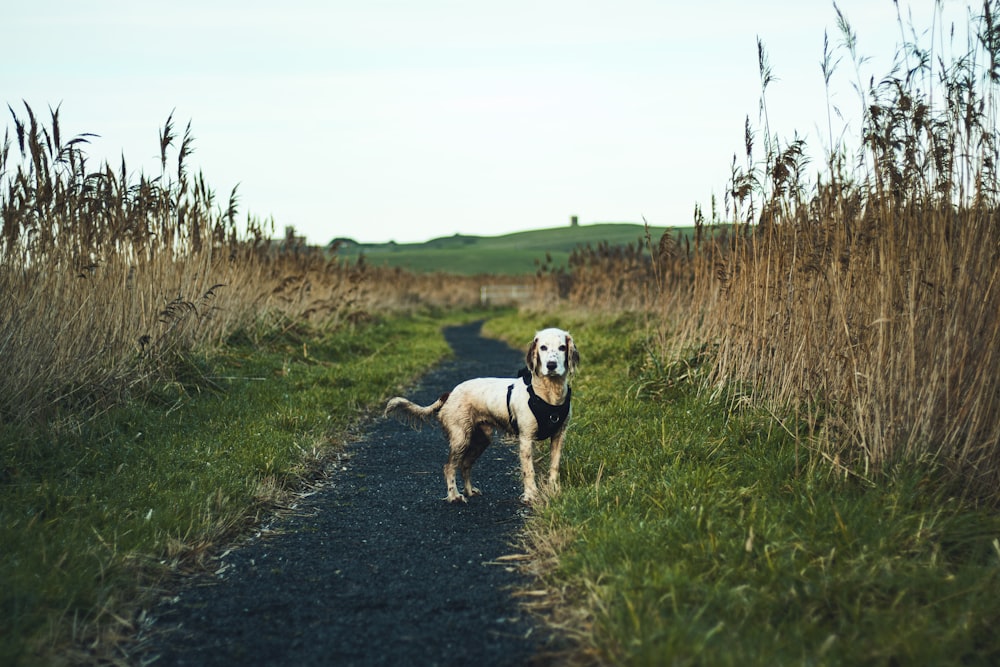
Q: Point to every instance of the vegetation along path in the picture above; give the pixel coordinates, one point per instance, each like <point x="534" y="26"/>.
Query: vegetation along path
<point x="374" y="568"/>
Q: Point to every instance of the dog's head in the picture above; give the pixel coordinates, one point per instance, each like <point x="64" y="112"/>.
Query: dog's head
<point x="552" y="353"/>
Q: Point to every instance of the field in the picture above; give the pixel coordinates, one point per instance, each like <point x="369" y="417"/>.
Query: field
<point x="521" y="253"/>
<point x="786" y="441"/>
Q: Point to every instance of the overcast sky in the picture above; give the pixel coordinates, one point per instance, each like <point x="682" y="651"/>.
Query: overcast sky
<point x="408" y="120"/>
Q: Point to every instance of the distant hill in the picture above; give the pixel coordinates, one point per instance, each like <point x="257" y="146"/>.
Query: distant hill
<point x="510" y="254"/>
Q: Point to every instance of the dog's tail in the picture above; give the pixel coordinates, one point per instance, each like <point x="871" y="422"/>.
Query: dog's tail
<point x="410" y="413"/>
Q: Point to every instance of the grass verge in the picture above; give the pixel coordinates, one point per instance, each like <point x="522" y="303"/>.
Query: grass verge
<point x="695" y="530"/>
<point x="92" y="515"/>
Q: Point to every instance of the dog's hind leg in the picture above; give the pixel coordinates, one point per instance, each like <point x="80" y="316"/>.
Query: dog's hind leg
<point x="458" y="445"/>
<point x="478" y="442"/>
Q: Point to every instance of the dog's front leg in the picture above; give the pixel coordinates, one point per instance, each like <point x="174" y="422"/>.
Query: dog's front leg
<point x="554" y="455"/>
<point x="528" y="471"/>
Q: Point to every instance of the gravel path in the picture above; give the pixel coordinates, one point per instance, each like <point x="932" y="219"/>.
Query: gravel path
<point x="375" y="568"/>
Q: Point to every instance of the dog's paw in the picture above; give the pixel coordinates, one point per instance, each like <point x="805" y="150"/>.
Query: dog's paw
<point x="455" y="497"/>
<point x="473" y="492"/>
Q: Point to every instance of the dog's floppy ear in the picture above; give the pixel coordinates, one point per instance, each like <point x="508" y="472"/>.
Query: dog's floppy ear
<point x="572" y="355"/>
<point x="531" y="357"/>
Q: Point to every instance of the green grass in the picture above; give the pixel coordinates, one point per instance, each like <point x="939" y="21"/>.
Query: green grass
<point x="696" y="533"/>
<point x="688" y="531"/>
<point x="93" y="513"/>
<point x="510" y="254"/>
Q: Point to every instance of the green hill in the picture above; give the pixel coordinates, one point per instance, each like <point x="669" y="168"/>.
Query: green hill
<point x="510" y="254"/>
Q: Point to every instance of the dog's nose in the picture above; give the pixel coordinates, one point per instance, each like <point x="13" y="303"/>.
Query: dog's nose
<point x="551" y="365"/>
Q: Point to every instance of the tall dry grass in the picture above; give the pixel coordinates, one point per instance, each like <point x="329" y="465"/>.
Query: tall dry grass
<point x="867" y="300"/>
<point x="662" y="274"/>
<point x="864" y="300"/>
<point x="108" y="281"/>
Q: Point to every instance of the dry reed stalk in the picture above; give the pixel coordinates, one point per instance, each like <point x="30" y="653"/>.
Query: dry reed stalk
<point x="110" y="281"/>
<point x="872" y="303"/>
<point x="866" y="303"/>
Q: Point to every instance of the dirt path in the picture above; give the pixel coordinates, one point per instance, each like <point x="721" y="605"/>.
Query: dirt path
<point x="374" y="569"/>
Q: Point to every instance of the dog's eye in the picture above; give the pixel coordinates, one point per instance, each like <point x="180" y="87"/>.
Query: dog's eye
<point x="562" y="348"/>
<point x="543" y="347"/>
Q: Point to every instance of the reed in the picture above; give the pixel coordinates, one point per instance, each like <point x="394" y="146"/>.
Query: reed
<point x="109" y="280"/>
<point x="640" y="276"/>
<point x="866" y="302"/>
<point x="863" y="301"/>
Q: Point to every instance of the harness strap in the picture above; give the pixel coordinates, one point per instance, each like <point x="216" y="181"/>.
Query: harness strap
<point x="510" y="414"/>
<point x="548" y="418"/>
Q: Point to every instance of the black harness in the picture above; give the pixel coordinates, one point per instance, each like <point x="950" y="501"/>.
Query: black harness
<point x="550" y="418"/>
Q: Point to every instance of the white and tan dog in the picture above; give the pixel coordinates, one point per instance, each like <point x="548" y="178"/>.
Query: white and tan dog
<point x="534" y="406"/>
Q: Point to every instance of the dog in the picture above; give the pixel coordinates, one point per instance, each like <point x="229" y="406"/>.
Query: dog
<point x="534" y="406"/>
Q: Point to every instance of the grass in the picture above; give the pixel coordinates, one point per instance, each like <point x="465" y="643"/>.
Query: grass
<point x="696" y="530"/>
<point x="518" y="254"/>
<point x="91" y="517"/>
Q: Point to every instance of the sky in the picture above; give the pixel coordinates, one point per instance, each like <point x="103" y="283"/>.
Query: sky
<point x="401" y="120"/>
